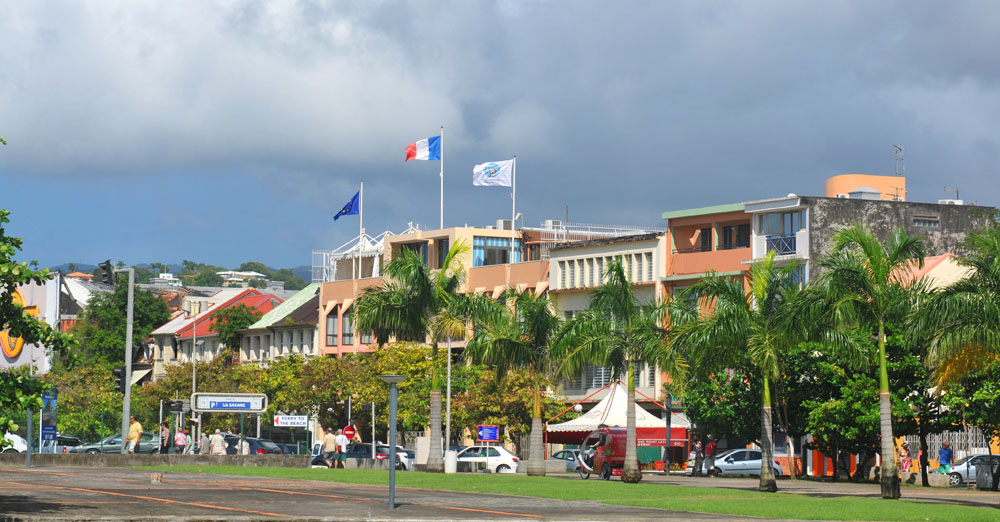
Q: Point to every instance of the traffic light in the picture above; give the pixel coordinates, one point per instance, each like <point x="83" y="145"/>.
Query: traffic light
<point x="119" y="379"/>
<point x="108" y="272"/>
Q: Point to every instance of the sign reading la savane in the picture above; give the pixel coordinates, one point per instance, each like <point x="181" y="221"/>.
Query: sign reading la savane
<point x="291" y="421"/>
<point x="229" y="402"/>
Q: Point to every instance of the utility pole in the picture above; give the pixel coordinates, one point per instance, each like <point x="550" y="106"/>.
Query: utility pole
<point x="127" y="403"/>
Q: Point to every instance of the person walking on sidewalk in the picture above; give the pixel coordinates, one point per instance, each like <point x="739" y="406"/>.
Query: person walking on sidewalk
<point x="134" y="433"/>
<point x="944" y="458"/>
<point x="710" y="456"/>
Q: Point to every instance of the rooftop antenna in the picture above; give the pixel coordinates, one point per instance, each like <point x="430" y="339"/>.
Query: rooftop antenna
<point x="900" y="168"/>
<point x="952" y="189"/>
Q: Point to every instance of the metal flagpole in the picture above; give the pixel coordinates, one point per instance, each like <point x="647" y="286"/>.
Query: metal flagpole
<point x="441" y="143"/>
<point x="361" y="227"/>
<point x="513" y="202"/>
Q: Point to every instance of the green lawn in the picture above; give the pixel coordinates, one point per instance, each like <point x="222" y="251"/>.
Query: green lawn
<point x="685" y="498"/>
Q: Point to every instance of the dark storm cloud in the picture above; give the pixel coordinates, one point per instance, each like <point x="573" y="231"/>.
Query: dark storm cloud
<point x="621" y="110"/>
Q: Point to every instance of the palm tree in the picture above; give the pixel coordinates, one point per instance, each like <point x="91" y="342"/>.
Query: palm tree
<point x="617" y="332"/>
<point x="745" y="322"/>
<point x="408" y="306"/>
<point x="519" y="337"/>
<point x="866" y="283"/>
<point x="964" y="317"/>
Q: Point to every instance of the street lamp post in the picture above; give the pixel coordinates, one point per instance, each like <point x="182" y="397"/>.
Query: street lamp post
<point x="127" y="401"/>
<point x="392" y="380"/>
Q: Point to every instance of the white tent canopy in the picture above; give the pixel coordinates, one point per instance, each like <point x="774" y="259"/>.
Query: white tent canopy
<point x="612" y="412"/>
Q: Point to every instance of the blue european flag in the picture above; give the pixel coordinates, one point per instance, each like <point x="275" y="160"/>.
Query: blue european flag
<point x="350" y="208"/>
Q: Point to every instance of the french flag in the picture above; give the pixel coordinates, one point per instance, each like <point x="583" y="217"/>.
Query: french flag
<point x="429" y="149"/>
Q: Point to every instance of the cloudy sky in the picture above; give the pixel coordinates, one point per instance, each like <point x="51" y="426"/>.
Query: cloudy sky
<point x="233" y="131"/>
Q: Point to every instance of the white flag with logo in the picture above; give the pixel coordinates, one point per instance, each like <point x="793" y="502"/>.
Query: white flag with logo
<point x="493" y="174"/>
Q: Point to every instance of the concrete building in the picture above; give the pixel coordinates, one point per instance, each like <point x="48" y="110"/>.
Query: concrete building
<point x="290" y="328"/>
<point x="578" y="268"/>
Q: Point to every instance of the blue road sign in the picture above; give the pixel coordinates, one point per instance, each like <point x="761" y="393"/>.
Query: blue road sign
<point x="487" y="433"/>
<point x="229" y="405"/>
<point x="48" y="433"/>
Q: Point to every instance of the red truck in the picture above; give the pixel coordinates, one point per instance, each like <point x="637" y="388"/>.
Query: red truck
<point x="603" y="452"/>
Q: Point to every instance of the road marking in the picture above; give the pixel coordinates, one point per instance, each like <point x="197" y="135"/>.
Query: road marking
<point x="154" y="499"/>
<point x="330" y="495"/>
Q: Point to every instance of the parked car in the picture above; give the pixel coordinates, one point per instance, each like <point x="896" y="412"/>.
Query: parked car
<point x="739" y="461"/>
<point x="964" y="470"/>
<point x="289" y="449"/>
<point x="570" y="456"/>
<point x="404" y="460"/>
<point x="257" y="446"/>
<point x="16" y="443"/>
<point x="496" y="458"/>
<point x="148" y="443"/>
<point x="62" y="444"/>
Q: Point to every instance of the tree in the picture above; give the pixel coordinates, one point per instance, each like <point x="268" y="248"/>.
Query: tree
<point x="19" y="390"/>
<point x="724" y="404"/>
<point x="406" y="306"/>
<point x="89" y="403"/>
<point x="207" y="278"/>
<point x="745" y="322"/>
<point x="102" y="329"/>
<point x="520" y="337"/>
<point x="617" y="332"/>
<point x="292" y="281"/>
<point x="71" y="267"/>
<point x="865" y="282"/>
<point x="229" y="321"/>
<point x="255" y="266"/>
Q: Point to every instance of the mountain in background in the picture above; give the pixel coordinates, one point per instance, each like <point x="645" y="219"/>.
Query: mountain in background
<point x="295" y="278"/>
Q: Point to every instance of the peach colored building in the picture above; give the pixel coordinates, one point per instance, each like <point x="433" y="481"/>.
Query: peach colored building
<point x="707" y="239"/>
<point x="854" y="185"/>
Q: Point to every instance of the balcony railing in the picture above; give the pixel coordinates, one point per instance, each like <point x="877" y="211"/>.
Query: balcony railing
<point x="783" y="244"/>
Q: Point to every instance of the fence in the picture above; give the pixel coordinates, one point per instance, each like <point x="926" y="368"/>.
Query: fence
<point x="965" y="443"/>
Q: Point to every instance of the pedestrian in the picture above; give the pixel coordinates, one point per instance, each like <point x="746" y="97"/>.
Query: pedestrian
<point x="187" y="441"/>
<point x="134" y="433"/>
<point x="330" y="449"/>
<point x="710" y="456"/>
<point x="904" y="458"/>
<point x="216" y="444"/>
<point x="164" y="438"/>
<point x="944" y="458"/>
<point x="699" y="458"/>
<point x="180" y="442"/>
<point x="244" y="448"/>
<point x="342" y="442"/>
<point x="203" y="444"/>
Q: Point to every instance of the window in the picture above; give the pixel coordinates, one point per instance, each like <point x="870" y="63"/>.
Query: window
<point x="590" y="272"/>
<point x="568" y="314"/>
<point x="331" y="328"/>
<point x="442" y="251"/>
<point x="347" y="335"/>
<point x="782" y="223"/>
<point x="488" y="251"/>
<point x="562" y="274"/>
<point x="638" y="267"/>
<point x="419" y="248"/>
<point x="706" y="239"/>
<point x="926" y="222"/>
<point x="600" y="270"/>
<point x="573" y="383"/>
<point x="366" y="338"/>
<point x="572" y="273"/>
<point x="649" y="266"/>
<point x="598" y="377"/>
<point x="743" y="235"/>
<point x="728" y="237"/>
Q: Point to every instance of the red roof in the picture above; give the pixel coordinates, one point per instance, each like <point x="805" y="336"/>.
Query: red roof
<point x="251" y="298"/>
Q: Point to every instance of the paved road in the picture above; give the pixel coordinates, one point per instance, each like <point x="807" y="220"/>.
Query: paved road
<point x="73" y="493"/>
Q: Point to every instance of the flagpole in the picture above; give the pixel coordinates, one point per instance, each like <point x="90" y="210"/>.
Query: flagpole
<point x="361" y="226"/>
<point x="441" y="143"/>
<point x="513" y="203"/>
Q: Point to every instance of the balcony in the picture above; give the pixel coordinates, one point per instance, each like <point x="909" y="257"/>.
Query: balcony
<point x="783" y="244"/>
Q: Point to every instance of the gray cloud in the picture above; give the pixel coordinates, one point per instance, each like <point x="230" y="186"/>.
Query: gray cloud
<point x="622" y="110"/>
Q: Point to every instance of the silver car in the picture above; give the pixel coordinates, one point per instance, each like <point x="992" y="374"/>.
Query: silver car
<point x="964" y="470"/>
<point x="572" y="464"/>
<point x="740" y="461"/>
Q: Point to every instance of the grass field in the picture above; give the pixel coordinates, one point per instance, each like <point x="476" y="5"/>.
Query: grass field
<point x="684" y="498"/>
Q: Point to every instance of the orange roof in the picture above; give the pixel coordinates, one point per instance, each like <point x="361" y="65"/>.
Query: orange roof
<point x="250" y="297"/>
<point x="80" y="275"/>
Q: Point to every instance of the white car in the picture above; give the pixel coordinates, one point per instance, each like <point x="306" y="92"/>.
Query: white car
<point x="15" y="443"/>
<point x="495" y="458"/>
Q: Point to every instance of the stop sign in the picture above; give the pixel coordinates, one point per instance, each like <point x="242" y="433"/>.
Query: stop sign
<point x="349" y="432"/>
